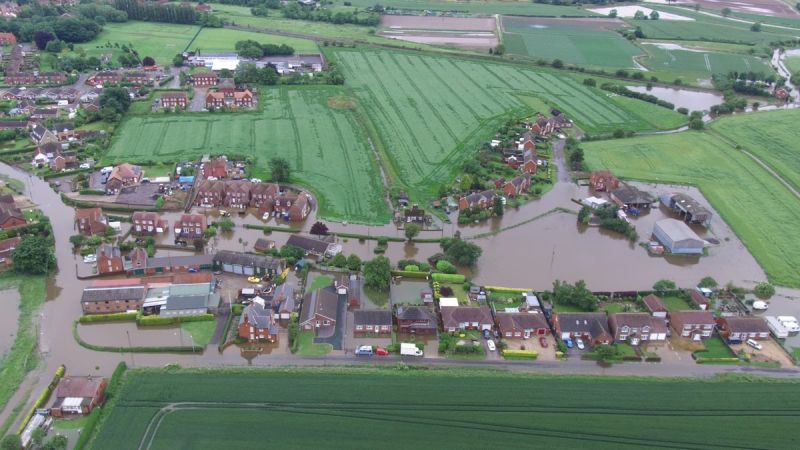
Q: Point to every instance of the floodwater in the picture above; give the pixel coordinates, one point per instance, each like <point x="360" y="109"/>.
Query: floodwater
<point x="682" y="98"/>
<point x="9" y="314"/>
<point x="116" y="334"/>
<point x="407" y="291"/>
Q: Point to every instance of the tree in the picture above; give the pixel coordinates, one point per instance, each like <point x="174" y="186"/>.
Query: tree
<point x="577" y="295"/>
<point x="41" y="38"/>
<point x="115" y="98"/>
<point x="612" y="13"/>
<point x="606" y="352"/>
<point x="354" y="262"/>
<point x="33" y="256"/>
<point x="726" y="12"/>
<point x="654" y="15"/>
<point x="662" y="286"/>
<point x="210" y="232"/>
<point x="57" y="442"/>
<point x="764" y="290"/>
<point x="280" y="170"/>
<point x="461" y="252"/>
<point x="54" y="46"/>
<point x="339" y="261"/>
<point x="378" y="273"/>
<point x="707" y="282"/>
<point x="319" y="229"/>
<point x="498" y="208"/>
<point x="639" y="15"/>
<point x="148" y="61"/>
<point x="11" y="442"/>
<point x="177" y="60"/>
<point x="639" y="33"/>
<point x="590" y="82"/>
<point x="696" y="124"/>
<point x="756" y="27"/>
<point x="445" y="266"/>
<point x="557" y="64"/>
<point x="500" y="49"/>
<point x="292" y="253"/>
<point x="225" y="224"/>
<point x="412" y="230"/>
<point x="77" y="240"/>
<point x="37" y="436"/>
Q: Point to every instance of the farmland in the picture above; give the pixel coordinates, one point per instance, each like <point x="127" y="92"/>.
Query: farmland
<point x="575" y="41"/>
<point x="224" y="40"/>
<point x="431" y="113"/>
<point x="513" y="7"/>
<point x="325" y="146"/>
<point x="311" y="409"/>
<point x="159" y="40"/>
<point x="694" y="64"/>
<point x="761" y="210"/>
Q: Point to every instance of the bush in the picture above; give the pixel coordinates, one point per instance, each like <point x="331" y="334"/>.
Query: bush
<point x="116" y="317"/>
<point x="448" y="278"/>
<point x="147" y="321"/>
<point x="764" y="290"/>
<point x="410" y="274"/>
<point x="412" y="268"/>
<point x="445" y="266"/>
<point x="520" y="354"/>
<point x="237" y="309"/>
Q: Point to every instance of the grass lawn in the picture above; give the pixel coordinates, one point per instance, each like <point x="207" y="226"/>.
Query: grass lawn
<point x="224" y="40"/>
<point x="625" y="350"/>
<point x="793" y="63"/>
<point x="319" y="281"/>
<point x="674" y="303"/>
<point x="562" y="308"/>
<point x="618" y="307"/>
<point x="162" y="41"/>
<point x="307" y="347"/>
<point x="458" y="291"/>
<point x="201" y="332"/>
<point x="70" y="424"/>
<point x="436" y="415"/>
<point x="716" y="349"/>
<point x="158" y="170"/>
<point x="761" y="210"/>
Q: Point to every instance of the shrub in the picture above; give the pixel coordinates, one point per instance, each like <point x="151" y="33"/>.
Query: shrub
<point x="146" y="321"/>
<point x="448" y="278"/>
<point x="412" y="268"/>
<point x="764" y="290"/>
<point x="520" y="354"/>
<point x="445" y="266"/>
<point x="116" y="317"/>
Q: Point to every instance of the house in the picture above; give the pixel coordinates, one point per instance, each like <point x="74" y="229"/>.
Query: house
<point x="90" y="221"/>
<point x="677" y="237"/>
<point x="203" y="79"/>
<point x="518" y="185"/>
<point x="591" y="327"/>
<point x="139" y="78"/>
<point x="27" y="78"/>
<point x="300" y="208"/>
<point x="192" y="226"/>
<point x="353" y="283"/>
<point x="320" y="310"/>
<point x="743" y="328"/>
<point x="112" y="299"/>
<point x="109" y="260"/>
<point x="459" y="318"/>
<point x="215" y="168"/>
<point x="262" y="196"/>
<point x="63" y="161"/>
<point x="372" y="322"/>
<point x="78" y="395"/>
<point x="416" y="320"/>
<point x="283" y="301"/>
<point x="603" y="181"/>
<point x="147" y="223"/>
<point x="257" y="322"/>
<point x="264" y="245"/>
<point x="11" y="216"/>
<point x="122" y="176"/>
<point x="637" y="328"/>
<point x="210" y="194"/>
<point x="521" y="325"/>
<point x="7" y="247"/>
<point x="631" y="197"/>
<point x="415" y="214"/>
<point x="104" y="78"/>
<point x="41" y="135"/>
<point x="203" y="8"/>
<point x="230" y="99"/>
<point x="178" y="100"/>
<point x="694" y="325"/>
<point x="315" y="246"/>
<point x="237" y="194"/>
<point x="655" y="306"/>
<point x="181" y="300"/>
<point x="687" y="207"/>
<point x="137" y="259"/>
<point x="481" y="200"/>
<point x="698" y="299"/>
<point x="8" y="38"/>
<point x="529" y="165"/>
<point x="246" y="264"/>
<point x="40" y="157"/>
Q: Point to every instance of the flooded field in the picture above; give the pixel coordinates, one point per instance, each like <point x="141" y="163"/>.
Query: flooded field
<point x="9" y="314"/>
<point x="116" y="334"/>
<point x="682" y="98"/>
<point x="407" y="291"/>
<point x="460" y="32"/>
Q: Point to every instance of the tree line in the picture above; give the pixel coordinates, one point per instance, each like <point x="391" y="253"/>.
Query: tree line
<point x="169" y="13"/>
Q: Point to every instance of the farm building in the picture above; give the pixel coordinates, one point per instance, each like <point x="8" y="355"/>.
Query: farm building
<point x="78" y="395"/>
<point x="677" y="237"/>
<point x="112" y="299"/>
<point x="188" y="263"/>
<point x="246" y="264"/>
<point x="631" y="197"/>
<point x="181" y="300"/>
<point x="688" y="208"/>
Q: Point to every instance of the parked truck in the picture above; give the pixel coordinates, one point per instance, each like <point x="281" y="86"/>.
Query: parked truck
<point x="407" y="349"/>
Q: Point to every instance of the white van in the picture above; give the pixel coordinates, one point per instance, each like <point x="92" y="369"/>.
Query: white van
<point x="754" y="344"/>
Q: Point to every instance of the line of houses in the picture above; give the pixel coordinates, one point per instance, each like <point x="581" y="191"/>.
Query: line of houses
<point x="266" y="197"/>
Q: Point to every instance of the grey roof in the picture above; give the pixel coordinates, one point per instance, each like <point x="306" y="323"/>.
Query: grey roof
<point x="191" y="260"/>
<point x="186" y="302"/>
<point x="632" y="195"/>
<point x="323" y="301"/>
<point x="259" y="316"/>
<point x="246" y="259"/>
<point x="372" y="317"/>
<point x="284" y="296"/>
<point x="676" y="230"/>
<point x="414" y="313"/>
<point x="102" y="294"/>
<point x="593" y="323"/>
<point x="308" y="243"/>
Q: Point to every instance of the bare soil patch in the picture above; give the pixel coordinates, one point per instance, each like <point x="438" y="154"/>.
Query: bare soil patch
<point x="438" y="23"/>
<point x="340" y="102"/>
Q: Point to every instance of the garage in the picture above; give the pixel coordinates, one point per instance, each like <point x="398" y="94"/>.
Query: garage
<point x="249" y="271"/>
<point x="246" y="264"/>
<point x="237" y="269"/>
<point x="227" y="267"/>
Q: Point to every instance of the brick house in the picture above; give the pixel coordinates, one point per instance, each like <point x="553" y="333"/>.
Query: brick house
<point x="300" y="208"/>
<point x="8" y="39"/>
<point x="122" y="176"/>
<point x="104" y="78"/>
<point x="139" y="78"/>
<point x="591" y="327"/>
<point x="237" y="194"/>
<point x="416" y="320"/>
<point x="216" y="168"/>
<point x="7" y="247"/>
<point x="41" y="135"/>
<point x="191" y="226"/>
<point x="210" y="193"/>
<point x="481" y="200"/>
<point x="529" y="161"/>
<point x="743" y="328"/>
<point x="694" y="325"/>
<point x="230" y="99"/>
<point x="262" y="196"/>
<point x="78" y="395"/>
<point x="603" y="181"/>
<point x="112" y="299"/>
<point x="201" y="79"/>
<point x="459" y="318"/>
<point x="109" y="260"/>
<point x="655" y="306"/>
<point x="11" y="216"/>
<point x="177" y="100"/>
<point x="257" y="322"/>
<point x="27" y="78"/>
<point x="147" y="223"/>
<point x="372" y="322"/>
<point x="637" y="328"/>
<point x="320" y="310"/>
<point x="90" y="221"/>
<point x="518" y="185"/>
<point x="521" y="325"/>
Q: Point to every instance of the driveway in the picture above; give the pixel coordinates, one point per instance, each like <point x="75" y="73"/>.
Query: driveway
<point x="337" y="338"/>
<point x="198" y="103"/>
<point x="770" y="352"/>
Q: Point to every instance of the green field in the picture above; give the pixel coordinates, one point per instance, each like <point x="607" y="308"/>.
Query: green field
<point x="793" y="63"/>
<point x="431" y="113"/>
<point x="162" y="41"/>
<point x="325" y="147"/>
<point x="692" y="64"/>
<point x="224" y="40"/>
<point x="438" y="409"/>
<point x="512" y="7"/>
<point x="762" y="211"/>
<point x="583" y="43"/>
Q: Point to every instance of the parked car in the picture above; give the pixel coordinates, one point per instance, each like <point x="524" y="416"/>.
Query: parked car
<point x="580" y="343"/>
<point x="543" y="342"/>
<point x="90" y="258"/>
<point x="364" y="350"/>
<point x="254" y="280"/>
<point x="380" y="351"/>
<point x="754" y="344"/>
<point x="569" y="343"/>
<point x="490" y="345"/>
<point x="487" y="334"/>
<point x="85" y="166"/>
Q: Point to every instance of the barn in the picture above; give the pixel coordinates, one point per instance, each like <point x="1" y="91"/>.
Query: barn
<point x="677" y="237"/>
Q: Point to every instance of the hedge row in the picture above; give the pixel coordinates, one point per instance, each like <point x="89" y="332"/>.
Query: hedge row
<point x="520" y="354"/>
<point x="702" y="360"/>
<point x="270" y="228"/>
<point x="370" y="238"/>
<point x="50" y="175"/>
<point x="117" y="317"/>
<point x="92" y="192"/>
<point x="223" y="340"/>
<point x="43" y="397"/>
<point x="506" y="290"/>
<point x="122" y="349"/>
<point x="448" y="278"/>
<point x="147" y="321"/>
<point x="410" y="274"/>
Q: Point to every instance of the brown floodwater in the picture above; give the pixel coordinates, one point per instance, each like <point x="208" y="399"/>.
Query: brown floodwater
<point x="117" y="334"/>
<point x="682" y="98"/>
<point x="9" y="314"/>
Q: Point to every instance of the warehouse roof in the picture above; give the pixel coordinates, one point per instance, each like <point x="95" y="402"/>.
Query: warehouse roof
<point x="676" y="230"/>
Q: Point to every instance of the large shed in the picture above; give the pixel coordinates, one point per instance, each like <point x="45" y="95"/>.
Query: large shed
<point x="677" y="237"/>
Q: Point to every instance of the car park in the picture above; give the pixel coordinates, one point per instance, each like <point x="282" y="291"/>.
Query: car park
<point x="490" y="345"/>
<point x="580" y="343"/>
<point x="543" y="342"/>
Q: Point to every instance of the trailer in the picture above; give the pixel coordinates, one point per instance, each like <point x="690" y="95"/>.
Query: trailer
<point x="776" y="327"/>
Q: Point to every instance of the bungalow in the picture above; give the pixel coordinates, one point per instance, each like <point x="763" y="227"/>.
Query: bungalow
<point x="246" y="264"/>
<point x="372" y="322"/>
<point x="109" y="260"/>
<point x="210" y="194"/>
<point x="90" y="221"/>
<point x="147" y="223"/>
<point x="743" y="328"/>
<point x="215" y="168"/>
<point x="78" y="395"/>
<point x="603" y="181"/>
<point x="416" y="320"/>
<point x="202" y="79"/>
<point x="283" y="301"/>
<point x="518" y="185"/>
<point x="521" y="325"/>
<point x="636" y="328"/>
<point x="237" y="194"/>
<point x="591" y="327"/>
<point x="122" y="176"/>
<point x="112" y="299"/>
<point x="262" y="196"/>
<point x="7" y="247"/>
<point x="191" y="226"/>
<point x="177" y="100"/>
<point x="315" y="246"/>
<point x="694" y="325"/>
<point x="459" y="318"/>
<point x="655" y="306"/>
<point x="631" y="197"/>
<point x="257" y="322"/>
<point x="320" y="310"/>
<point x="481" y="200"/>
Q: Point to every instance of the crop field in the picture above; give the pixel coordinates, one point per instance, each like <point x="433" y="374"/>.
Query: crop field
<point x="513" y="7"/>
<point x="793" y="63"/>
<point x="761" y="211"/>
<point x="386" y="408"/>
<point x="575" y="41"/>
<point x="432" y="112"/>
<point x="224" y="40"/>
<point x="692" y="63"/>
<point x="160" y="40"/>
<point x="325" y="146"/>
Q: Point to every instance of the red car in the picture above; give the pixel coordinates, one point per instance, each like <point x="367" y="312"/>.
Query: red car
<point x="543" y="341"/>
<point x="380" y="351"/>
